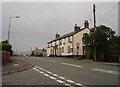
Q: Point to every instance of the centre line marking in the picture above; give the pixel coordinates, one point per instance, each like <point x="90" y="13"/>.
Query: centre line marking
<point x="54" y="75"/>
<point x="49" y="72"/>
<point x="37" y="70"/>
<point x="60" y="81"/>
<point x="106" y="71"/>
<point x="61" y="77"/>
<point x="78" y="84"/>
<point x="41" y="72"/>
<point x="70" y="81"/>
<point x="46" y="74"/>
<point x="71" y="65"/>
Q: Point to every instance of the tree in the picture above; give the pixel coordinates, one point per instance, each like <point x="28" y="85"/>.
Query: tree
<point x="101" y="39"/>
<point x="114" y="45"/>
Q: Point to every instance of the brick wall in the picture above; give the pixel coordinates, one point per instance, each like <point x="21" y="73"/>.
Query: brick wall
<point x="5" y="57"/>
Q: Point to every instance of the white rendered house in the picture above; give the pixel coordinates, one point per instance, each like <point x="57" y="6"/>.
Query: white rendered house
<point x="70" y="44"/>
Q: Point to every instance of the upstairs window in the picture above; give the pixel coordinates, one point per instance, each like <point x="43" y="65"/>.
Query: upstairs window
<point x="69" y="41"/>
<point x="60" y="42"/>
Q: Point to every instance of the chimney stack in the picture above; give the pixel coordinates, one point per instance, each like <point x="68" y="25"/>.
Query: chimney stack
<point x="86" y="24"/>
<point x="76" y="28"/>
<point x="57" y="35"/>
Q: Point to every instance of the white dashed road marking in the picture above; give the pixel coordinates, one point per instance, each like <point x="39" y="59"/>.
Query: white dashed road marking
<point x="67" y="84"/>
<point x="71" y="65"/>
<point x="46" y="74"/>
<point x="60" y="81"/>
<point x="70" y="81"/>
<point x="61" y="77"/>
<point x="41" y="72"/>
<point x="37" y="70"/>
<point x="78" y="84"/>
<point x="106" y="71"/>
<point x="49" y="72"/>
<point x="54" y="76"/>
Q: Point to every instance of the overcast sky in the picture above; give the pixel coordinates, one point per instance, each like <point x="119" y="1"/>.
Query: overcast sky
<point x="39" y="21"/>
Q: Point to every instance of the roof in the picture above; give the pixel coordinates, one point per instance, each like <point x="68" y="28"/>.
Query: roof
<point x="66" y="35"/>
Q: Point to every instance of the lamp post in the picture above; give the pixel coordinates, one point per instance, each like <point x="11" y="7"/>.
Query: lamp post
<point x="10" y="26"/>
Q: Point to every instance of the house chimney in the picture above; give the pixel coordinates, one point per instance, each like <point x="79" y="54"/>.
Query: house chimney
<point x="86" y="24"/>
<point x="57" y="35"/>
<point x="76" y="28"/>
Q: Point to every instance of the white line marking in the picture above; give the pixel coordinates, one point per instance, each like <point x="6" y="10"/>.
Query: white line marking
<point x="54" y="75"/>
<point x="70" y="81"/>
<point x="61" y="77"/>
<point x="71" y="65"/>
<point x="60" y="81"/>
<point x="37" y="70"/>
<point x="49" y="72"/>
<point x="107" y="71"/>
<point x="67" y="84"/>
<point x="41" y="72"/>
<point x="46" y="74"/>
<point x="44" y="70"/>
<point x="78" y="84"/>
<point x="112" y="63"/>
<point x="38" y="67"/>
<point x="34" y="68"/>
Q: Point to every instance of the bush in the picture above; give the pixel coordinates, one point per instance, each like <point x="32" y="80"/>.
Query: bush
<point x="5" y="46"/>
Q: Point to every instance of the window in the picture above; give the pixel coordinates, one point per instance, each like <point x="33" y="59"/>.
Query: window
<point x="69" y="41"/>
<point x="68" y="49"/>
<point x="48" y="46"/>
<point x="60" y="42"/>
<point x="62" y="49"/>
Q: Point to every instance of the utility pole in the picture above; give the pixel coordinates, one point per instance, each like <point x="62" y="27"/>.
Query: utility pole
<point x="94" y="10"/>
<point x="9" y="29"/>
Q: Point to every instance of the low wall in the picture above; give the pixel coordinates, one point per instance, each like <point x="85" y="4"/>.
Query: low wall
<point x="5" y="57"/>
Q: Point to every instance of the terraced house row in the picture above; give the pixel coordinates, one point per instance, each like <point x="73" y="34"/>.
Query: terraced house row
<point x="70" y="44"/>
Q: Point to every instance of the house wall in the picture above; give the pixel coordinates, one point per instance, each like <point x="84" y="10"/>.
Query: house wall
<point x="78" y="42"/>
<point x="71" y="42"/>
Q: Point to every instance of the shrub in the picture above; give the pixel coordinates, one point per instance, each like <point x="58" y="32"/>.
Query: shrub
<point x="5" y="46"/>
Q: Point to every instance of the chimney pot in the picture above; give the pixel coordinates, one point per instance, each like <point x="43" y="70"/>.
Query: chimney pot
<point x="86" y="24"/>
<point x="76" y="28"/>
<point x="57" y="35"/>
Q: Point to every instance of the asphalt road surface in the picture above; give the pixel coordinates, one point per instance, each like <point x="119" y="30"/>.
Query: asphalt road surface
<point x="63" y="71"/>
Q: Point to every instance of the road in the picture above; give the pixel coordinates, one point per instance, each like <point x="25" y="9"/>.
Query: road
<point x="64" y="71"/>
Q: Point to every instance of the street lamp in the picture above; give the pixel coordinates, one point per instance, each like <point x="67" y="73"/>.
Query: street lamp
<point x="10" y="26"/>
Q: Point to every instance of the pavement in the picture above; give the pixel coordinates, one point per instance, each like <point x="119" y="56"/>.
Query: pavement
<point x="15" y="65"/>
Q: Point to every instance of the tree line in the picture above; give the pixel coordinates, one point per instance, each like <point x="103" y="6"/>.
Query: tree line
<point x="103" y="43"/>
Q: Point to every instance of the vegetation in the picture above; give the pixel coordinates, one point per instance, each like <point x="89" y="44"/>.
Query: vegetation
<point x="5" y="46"/>
<point x="103" y="40"/>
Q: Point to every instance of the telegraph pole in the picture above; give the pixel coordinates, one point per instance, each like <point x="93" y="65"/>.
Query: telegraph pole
<point x="94" y="10"/>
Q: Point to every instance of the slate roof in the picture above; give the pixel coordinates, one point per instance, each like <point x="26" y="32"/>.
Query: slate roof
<point x="66" y="35"/>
